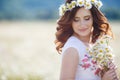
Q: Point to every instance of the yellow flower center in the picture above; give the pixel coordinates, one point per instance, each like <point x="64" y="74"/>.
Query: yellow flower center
<point x="104" y="63"/>
<point x="70" y="6"/>
<point x="81" y="2"/>
<point x="100" y="50"/>
<point x="92" y="0"/>
<point x="73" y="4"/>
<point x="106" y="48"/>
<point x="99" y="4"/>
<point x="87" y="5"/>
<point x="109" y="55"/>
<point x="101" y="42"/>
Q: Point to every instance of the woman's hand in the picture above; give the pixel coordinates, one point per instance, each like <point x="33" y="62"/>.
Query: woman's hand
<point x="111" y="74"/>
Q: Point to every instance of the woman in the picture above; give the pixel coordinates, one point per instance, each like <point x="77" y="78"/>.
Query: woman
<point x="80" y="25"/>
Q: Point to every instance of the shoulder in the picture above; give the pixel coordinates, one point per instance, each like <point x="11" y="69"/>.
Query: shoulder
<point x="71" y="48"/>
<point x="71" y="51"/>
<point x="72" y="39"/>
<point x="70" y="61"/>
<point x="72" y="42"/>
<point x="70" y="56"/>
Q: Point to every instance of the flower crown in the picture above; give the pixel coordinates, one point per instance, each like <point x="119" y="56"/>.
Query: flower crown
<point x="86" y="3"/>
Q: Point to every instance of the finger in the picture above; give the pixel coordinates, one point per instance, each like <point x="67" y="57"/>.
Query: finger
<point x="115" y="77"/>
<point x="110" y="64"/>
<point x="111" y="72"/>
<point x="113" y="66"/>
<point x="111" y="61"/>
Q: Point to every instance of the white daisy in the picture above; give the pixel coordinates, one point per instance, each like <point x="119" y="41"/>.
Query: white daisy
<point x="62" y="9"/>
<point x="72" y="5"/>
<point x="80" y="3"/>
<point x="88" y="5"/>
<point x="98" y="4"/>
<point x="68" y="6"/>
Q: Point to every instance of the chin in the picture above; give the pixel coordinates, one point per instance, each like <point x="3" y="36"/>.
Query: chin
<point x="84" y="34"/>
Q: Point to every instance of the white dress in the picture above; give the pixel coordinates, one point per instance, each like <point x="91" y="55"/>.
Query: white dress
<point x="87" y="69"/>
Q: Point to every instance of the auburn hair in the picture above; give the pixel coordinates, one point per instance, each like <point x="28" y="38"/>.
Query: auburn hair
<point x="64" y="28"/>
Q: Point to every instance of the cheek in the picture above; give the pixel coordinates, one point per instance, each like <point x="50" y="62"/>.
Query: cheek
<point x="74" y="26"/>
<point x="90" y="27"/>
<point x="90" y="24"/>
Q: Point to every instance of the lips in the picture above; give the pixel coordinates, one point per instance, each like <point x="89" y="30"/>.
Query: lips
<point x="82" y="30"/>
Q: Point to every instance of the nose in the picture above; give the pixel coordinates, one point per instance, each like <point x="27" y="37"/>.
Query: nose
<point x="82" y="24"/>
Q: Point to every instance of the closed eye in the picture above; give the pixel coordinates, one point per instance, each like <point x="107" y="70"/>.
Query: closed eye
<point x="87" y="17"/>
<point x="76" y="19"/>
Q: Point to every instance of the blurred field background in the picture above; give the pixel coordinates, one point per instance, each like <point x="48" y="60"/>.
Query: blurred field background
<point x="27" y="34"/>
<point x="27" y="49"/>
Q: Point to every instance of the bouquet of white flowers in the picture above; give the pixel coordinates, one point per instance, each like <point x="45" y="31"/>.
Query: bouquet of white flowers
<point x="101" y="52"/>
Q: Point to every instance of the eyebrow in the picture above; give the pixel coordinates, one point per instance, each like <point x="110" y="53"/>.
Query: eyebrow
<point x="84" y="16"/>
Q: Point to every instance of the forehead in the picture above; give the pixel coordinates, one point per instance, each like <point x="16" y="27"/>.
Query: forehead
<point x="83" y="12"/>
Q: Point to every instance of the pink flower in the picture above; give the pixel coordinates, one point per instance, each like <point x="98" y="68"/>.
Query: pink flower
<point x="85" y="60"/>
<point x="94" y="62"/>
<point x="97" y="71"/>
<point x="86" y="65"/>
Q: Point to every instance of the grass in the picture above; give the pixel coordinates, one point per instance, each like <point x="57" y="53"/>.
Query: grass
<point x="16" y="77"/>
<point x="27" y="50"/>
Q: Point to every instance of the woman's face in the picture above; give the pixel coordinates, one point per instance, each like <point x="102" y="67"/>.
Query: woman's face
<point x="82" y="23"/>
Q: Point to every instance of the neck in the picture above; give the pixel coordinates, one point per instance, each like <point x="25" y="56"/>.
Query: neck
<point x="84" y="39"/>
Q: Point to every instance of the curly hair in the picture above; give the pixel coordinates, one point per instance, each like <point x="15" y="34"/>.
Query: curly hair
<point x="64" y="28"/>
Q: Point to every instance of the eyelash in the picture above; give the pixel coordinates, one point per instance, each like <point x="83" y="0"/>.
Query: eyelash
<point x="87" y="18"/>
<point x="75" y="20"/>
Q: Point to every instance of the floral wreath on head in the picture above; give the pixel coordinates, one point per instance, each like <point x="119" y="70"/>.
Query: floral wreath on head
<point x="81" y="3"/>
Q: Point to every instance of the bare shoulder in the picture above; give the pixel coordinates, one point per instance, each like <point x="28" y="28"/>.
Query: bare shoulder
<point x="71" y="51"/>
<point x="71" y="54"/>
<point x="70" y="62"/>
